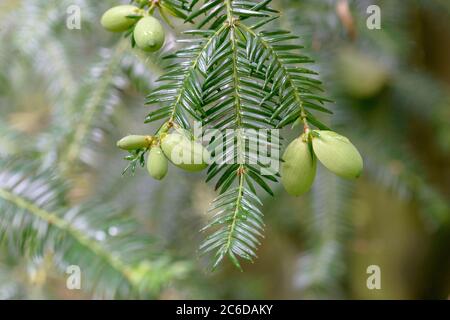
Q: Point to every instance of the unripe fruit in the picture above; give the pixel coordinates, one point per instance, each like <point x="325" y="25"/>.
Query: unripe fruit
<point x="157" y="163"/>
<point x="337" y="154"/>
<point x="133" y="142"/>
<point x="149" y="34"/>
<point x="184" y="153"/>
<point x="299" y="167"/>
<point x="117" y="18"/>
<point x="361" y="75"/>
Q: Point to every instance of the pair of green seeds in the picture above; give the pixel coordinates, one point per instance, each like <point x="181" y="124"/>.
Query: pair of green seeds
<point x="148" y="32"/>
<point x="177" y="148"/>
<point x="334" y="151"/>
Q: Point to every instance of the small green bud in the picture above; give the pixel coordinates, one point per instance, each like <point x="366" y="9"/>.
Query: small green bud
<point x="184" y="153"/>
<point x="133" y="142"/>
<point x="139" y="273"/>
<point x="157" y="164"/>
<point x="298" y="168"/>
<point x="149" y="34"/>
<point x="117" y="19"/>
<point x="337" y="154"/>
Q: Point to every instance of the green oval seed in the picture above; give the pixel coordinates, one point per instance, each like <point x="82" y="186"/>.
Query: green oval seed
<point x="299" y="167"/>
<point x="133" y="142"/>
<point x="117" y="18"/>
<point x="337" y="154"/>
<point x="361" y="75"/>
<point x="149" y="34"/>
<point x="157" y="164"/>
<point x="184" y="153"/>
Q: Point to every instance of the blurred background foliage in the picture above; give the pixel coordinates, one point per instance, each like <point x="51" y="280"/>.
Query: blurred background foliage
<point x="67" y="95"/>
